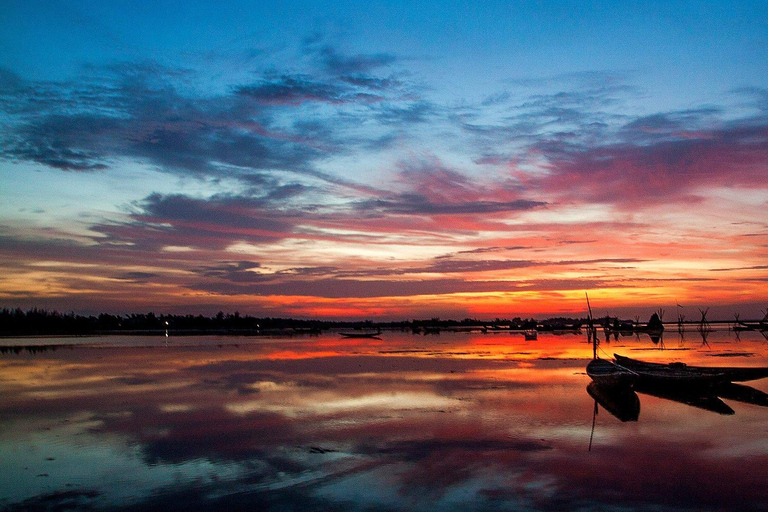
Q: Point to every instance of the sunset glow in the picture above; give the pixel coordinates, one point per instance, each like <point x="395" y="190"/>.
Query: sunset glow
<point x="384" y="160"/>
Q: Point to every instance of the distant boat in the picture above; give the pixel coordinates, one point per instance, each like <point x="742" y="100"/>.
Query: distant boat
<point x="751" y="326"/>
<point x="762" y="325"/>
<point x="361" y="334"/>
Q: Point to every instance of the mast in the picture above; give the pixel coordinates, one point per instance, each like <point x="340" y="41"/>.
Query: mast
<point x="591" y="333"/>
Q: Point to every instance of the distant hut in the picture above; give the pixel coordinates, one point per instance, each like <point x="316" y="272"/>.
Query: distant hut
<point x="654" y="323"/>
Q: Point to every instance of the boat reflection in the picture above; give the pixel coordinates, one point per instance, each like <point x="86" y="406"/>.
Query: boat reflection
<point x="463" y="421"/>
<point x="622" y="400"/>
<point x="702" y="398"/>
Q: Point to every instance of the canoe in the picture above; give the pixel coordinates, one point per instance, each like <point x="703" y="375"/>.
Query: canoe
<point x="681" y="372"/>
<point x="361" y="334"/>
<point x="607" y="373"/>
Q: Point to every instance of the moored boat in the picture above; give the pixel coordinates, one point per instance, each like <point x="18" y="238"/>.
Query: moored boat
<point x="682" y="373"/>
<point x="608" y="373"/>
<point x="360" y="334"/>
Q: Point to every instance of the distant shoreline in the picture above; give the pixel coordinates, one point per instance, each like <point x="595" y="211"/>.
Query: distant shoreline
<point x="43" y="323"/>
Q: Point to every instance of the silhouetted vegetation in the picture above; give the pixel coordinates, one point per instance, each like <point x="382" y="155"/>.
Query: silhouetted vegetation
<point x="41" y="322"/>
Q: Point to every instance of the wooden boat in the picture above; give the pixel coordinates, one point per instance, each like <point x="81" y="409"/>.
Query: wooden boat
<point x="608" y="373"/>
<point x="751" y="326"/>
<point x="360" y="334"/>
<point x="682" y="373"/>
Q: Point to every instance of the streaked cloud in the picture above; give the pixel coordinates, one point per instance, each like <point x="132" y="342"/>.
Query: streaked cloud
<point x="342" y="166"/>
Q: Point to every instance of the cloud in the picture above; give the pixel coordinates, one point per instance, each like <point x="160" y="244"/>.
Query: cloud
<point x="237" y="278"/>
<point x="359" y="288"/>
<point x="434" y="189"/>
<point x="676" y="168"/>
<point x="413" y="204"/>
<point x="346" y="65"/>
<point x="216" y="222"/>
<point x="406" y="114"/>
<point x="137" y="276"/>
<point x="139" y="112"/>
<point x="295" y="90"/>
<point x="756" y="96"/>
<point x="155" y="114"/>
<point x="235" y="271"/>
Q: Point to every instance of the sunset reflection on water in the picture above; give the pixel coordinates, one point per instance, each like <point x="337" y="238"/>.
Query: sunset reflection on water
<point x="456" y="420"/>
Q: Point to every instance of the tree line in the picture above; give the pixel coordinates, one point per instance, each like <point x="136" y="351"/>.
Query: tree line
<point x="18" y="322"/>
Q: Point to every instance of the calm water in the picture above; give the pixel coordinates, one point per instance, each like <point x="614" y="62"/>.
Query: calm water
<point x="450" y="422"/>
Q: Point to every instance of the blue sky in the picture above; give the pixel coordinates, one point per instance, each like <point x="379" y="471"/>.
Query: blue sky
<point x="382" y="159"/>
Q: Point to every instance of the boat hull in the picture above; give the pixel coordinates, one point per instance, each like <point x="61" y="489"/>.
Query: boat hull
<point x="682" y="373"/>
<point x="607" y="373"/>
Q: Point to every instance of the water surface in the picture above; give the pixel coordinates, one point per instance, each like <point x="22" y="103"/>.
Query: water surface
<point x="457" y="421"/>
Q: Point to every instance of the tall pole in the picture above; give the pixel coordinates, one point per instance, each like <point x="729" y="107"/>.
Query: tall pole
<point x="592" y="331"/>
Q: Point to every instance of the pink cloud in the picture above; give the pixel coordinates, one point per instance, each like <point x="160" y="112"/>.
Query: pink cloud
<point x="662" y="171"/>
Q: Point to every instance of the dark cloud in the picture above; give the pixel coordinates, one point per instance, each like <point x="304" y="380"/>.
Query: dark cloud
<point x="400" y="115"/>
<point x="370" y="82"/>
<point x="345" y="288"/>
<point x="140" y="112"/>
<point x="346" y="65"/>
<point x="238" y="278"/>
<point x="137" y="276"/>
<point x="669" y="125"/>
<point x="463" y="266"/>
<point x="434" y="189"/>
<point x="329" y="281"/>
<point x="754" y="267"/>
<point x="483" y="250"/>
<point x="151" y="113"/>
<point x="235" y="271"/>
<point x="496" y="99"/>
<point x="290" y="90"/>
<point x="756" y="96"/>
<point x="415" y="204"/>
<point x="216" y="222"/>
<point x="579" y="109"/>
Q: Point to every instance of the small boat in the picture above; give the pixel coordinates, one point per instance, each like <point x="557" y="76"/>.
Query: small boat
<point x="361" y="334"/>
<point x="608" y="373"/>
<point x="682" y="373"/>
<point x="751" y="326"/>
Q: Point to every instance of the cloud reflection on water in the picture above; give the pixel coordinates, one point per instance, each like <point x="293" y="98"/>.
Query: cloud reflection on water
<point x="456" y="421"/>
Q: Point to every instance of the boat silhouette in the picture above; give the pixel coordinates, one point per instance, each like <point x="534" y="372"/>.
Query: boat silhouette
<point x="361" y="334"/>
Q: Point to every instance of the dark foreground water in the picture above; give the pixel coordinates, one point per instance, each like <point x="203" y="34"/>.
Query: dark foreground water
<point x="450" y="422"/>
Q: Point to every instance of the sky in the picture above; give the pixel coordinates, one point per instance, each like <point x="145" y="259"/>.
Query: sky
<point x="384" y="160"/>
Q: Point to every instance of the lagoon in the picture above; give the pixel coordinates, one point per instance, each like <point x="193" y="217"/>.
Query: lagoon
<point x="455" y="421"/>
